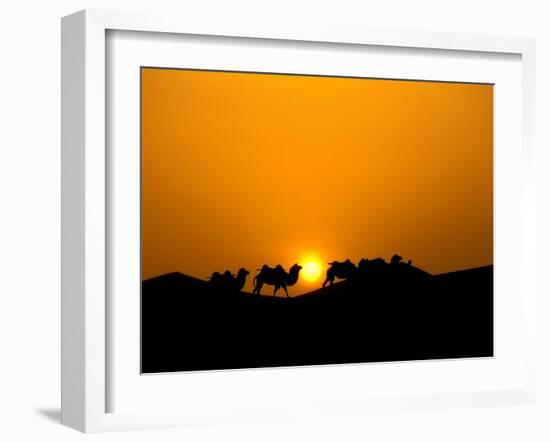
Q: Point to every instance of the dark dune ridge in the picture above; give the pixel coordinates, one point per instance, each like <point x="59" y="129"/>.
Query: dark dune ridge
<point x="404" y="314"/>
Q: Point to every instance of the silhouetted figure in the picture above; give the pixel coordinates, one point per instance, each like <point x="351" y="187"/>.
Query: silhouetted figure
<point x="364" y="264"/>
<point x="240" y="280"/>
<point x="364" y="267"/>
<point x="396" y="259"/>
<point x="215" y="279"/>
<point x="377" y="271"/>
<point x="371" y="270"/>
<point x="228" y="282"/>
<point x="276" y="277"/>
<point x="340" y="270"/>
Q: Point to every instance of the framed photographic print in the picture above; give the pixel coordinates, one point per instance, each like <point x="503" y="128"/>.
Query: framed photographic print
<point x="264" y="223"/>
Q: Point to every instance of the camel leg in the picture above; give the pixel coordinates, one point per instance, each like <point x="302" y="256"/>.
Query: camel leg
<point x="257" y="289"/>
<point x="286" y="291"/>
<point x="327" y="281"/>
<point x="275" y="290"/>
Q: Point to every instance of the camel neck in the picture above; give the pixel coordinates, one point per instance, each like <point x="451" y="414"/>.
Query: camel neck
<point x="293" y="276"/>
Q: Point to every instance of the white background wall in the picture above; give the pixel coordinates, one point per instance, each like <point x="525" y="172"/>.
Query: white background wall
<point x="30" y="216"/>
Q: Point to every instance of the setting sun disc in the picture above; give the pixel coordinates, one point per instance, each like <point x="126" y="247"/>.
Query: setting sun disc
<point x="311" y="270"/>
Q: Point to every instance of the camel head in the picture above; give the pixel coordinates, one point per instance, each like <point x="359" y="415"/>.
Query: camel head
<point x="243" y="273"/>
<point x="240" y="279"/>
<point x="396" y="259"/>
<point x="294" y="274"/>
<point x="214" y="276"/>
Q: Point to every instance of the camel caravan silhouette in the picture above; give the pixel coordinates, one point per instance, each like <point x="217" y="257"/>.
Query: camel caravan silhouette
<point x="371" y="269"/>
<point x="346" y="271"/>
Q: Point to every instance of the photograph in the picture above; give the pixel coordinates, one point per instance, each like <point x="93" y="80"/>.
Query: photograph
<point x="297" y="220"/>
<point x="264" y="222"/>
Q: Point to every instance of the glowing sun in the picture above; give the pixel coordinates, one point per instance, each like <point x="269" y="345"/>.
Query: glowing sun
<point x="311" y="270"/>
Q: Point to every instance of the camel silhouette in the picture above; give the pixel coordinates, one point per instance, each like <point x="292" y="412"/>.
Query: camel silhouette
<point x="276" y="277"/>
<point x="227" y="282"/>
<point x="340" y="270"/>
<point x="366" y="266"/>
<point x="240" y="280"/>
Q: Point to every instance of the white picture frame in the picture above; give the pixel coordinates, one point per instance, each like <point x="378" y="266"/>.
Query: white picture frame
<point x="86" y="351"/>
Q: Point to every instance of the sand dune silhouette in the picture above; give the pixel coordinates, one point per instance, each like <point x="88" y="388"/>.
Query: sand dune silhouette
<point x="186" y="325"/>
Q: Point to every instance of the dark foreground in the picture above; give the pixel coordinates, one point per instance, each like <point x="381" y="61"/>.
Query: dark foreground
<point x="188" y="326"/>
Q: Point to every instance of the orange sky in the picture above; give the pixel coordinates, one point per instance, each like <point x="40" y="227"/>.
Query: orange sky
<point x="242" y="169"/>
